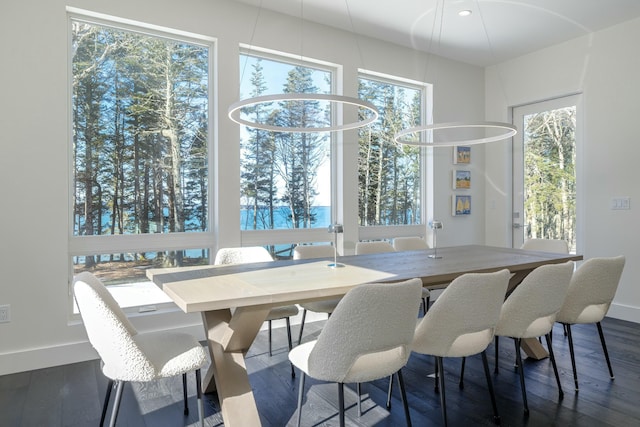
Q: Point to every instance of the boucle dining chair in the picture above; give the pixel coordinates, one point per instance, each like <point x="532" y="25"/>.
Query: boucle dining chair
<point x="530" y="312"/>
<point x="321" y="306"/>
<point x="546" y="245"/>
<point x="249" y="254"/>
<point x="128" y="355"/>
<point x="414" y="243"/>
<point x="411" y="243"/>
<point x="373" y="247"/>
<point x="592" y="289"/>
<point x="367" y="337"/>
<point x="461" y="323"/>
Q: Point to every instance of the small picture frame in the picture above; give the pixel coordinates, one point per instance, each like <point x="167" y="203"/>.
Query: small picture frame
<point x="461" y="155"/>
<point x="461" y="180"/>
<point x="460" y="205"/>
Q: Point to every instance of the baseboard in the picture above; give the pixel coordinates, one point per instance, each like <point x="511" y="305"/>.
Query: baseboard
<point x="624" y="312"/>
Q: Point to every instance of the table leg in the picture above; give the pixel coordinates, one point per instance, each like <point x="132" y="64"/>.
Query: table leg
<point x="531" y="346"/>
<point x="229" y="337"/>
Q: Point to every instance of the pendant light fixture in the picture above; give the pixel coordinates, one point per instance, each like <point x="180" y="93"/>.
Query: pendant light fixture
<point x="238" y="112"/>
<point x="429" y="135"/>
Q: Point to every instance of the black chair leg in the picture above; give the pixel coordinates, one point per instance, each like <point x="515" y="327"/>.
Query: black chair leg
<point x="604" y="348"/>
<point x="341" y="404"/>
<point x="116" y="403"/>
<point x="359" y="393"/>
<point x="293" y="372"/>
<point x="389" y="392"/>
<point x="106" y="402"/>
<point x="403" y="395"/>
<point x="270" y="353"/>
<point x="436" y="387"/>
<point x="573" y="356"/>
<point x="521" y="374"/>
<point x="304" y="316"/>
<point x="485" y="363"/>
<point x="440" y="375"/>
<point x="199" y="397"/>
<point x="553" y="363"/>
<point x="184" y="393"/>
<point x="496" y="345"/>
<point x="461" y="383"/>
<point x="300" y="396"/>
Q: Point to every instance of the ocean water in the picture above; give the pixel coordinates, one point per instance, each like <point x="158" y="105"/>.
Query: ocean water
<point x="281" y="218"/>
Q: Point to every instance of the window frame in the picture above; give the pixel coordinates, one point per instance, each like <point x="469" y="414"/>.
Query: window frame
<point x="151" y="242"/>
<point x="299" y="235"/>
<point x="380" y="232"/>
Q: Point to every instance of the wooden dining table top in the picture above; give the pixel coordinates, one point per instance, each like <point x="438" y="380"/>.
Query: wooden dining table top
<point x="206" y="288"/>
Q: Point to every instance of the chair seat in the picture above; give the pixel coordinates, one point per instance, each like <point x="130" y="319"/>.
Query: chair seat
<point x="367" y="367"/>
<point x="172" y="353"/>
<point x="537" y="328"/>
<point x="282" y="312"/>
<point x="590" y="314"/>
<point x="425" y="293"/>
<point x="323" y="306"/>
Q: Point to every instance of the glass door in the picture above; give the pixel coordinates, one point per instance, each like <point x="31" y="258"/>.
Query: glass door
<point x="544" y="171"/>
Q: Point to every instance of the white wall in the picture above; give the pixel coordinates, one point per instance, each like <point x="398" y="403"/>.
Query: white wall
<point x="603" y="67"/>
<point x="35" y="149"/>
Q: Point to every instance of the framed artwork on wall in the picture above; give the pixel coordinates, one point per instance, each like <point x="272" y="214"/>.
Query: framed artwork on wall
<point x="460" y="205"/>
<point x="461" y="180"/>
<point x="461" y="155"/>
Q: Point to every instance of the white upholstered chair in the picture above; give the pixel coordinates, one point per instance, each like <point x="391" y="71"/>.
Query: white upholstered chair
<point x="530" y="312"/>
<point x="129" y="356"/>
<point x="367" y="337"/>
<point x="321" y="306"/>
<point x="412" y="243"/>
<point x="592" y="289"/>
<point x="406" y="243"/>
<point x="461" y="322"/>
<point x="373" y="247"/>
<point x="249" y="254"/>
<point x="546" y="245"/>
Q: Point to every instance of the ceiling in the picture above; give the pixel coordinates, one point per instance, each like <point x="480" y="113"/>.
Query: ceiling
<point x="497" y="30"/>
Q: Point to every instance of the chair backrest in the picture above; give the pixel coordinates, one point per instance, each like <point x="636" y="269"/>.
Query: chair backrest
<point x="593" y="287"/>
<point x="313" y="251"/>
<point x="242" y="255"/>
<point x="373" y="247"/>
<point x="409" y="243"/>
<point x="546" y="245"/>
<point x="372" y="326"/>
<point x="530" y="311"/>
<point x="110" y="332"/>
<point x="462" y="320"/>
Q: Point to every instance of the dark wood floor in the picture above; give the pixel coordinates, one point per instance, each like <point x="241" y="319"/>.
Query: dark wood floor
<point x="72" y="395"/>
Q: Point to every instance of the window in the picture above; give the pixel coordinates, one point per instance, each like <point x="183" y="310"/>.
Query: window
<point x="140" y="136"/>
<point x="390" y="190"/>
<point x="285" y="177"/>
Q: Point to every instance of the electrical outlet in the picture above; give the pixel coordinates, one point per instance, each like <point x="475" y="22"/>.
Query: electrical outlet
<point x="5" y="313"/>
<point x="621" y="203"/>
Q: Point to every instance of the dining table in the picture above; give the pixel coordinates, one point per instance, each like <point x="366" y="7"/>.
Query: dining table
<point x="234" y="300"/>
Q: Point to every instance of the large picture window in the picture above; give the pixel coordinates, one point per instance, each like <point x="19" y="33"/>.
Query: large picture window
<point x="285" y="177"/>
<point x="389" y="175"/>
<point x="140" y="115"/>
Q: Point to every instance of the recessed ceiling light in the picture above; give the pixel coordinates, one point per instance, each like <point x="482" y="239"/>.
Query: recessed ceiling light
<point x="465" y="12"/>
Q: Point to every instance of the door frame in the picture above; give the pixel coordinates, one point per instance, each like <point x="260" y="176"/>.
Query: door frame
<point x="517" y="162"/>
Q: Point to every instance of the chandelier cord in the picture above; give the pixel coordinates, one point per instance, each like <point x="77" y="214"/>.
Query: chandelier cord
<point x="253" y="33"/>
<point x="491" y="50"/>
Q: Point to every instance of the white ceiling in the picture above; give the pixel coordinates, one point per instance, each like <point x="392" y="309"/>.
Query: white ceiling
<point x="496" y="31"/>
